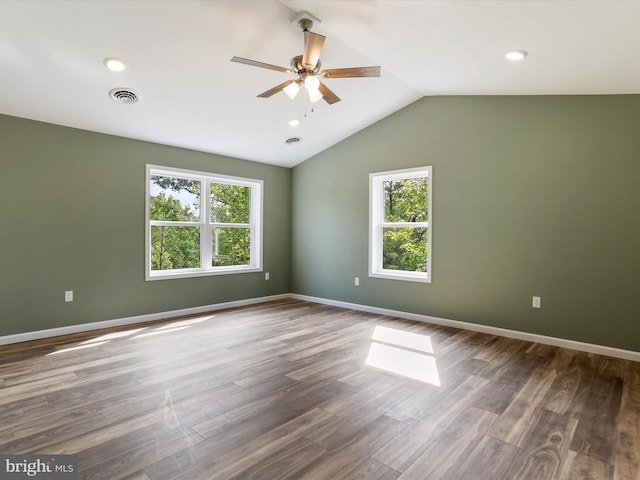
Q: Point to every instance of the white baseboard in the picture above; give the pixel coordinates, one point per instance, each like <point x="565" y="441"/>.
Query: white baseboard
<point x="85" y="327"/>
<point x="503" y="332"/>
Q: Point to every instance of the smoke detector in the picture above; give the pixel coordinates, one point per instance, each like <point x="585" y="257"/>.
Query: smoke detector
<point x="124" y="95"/>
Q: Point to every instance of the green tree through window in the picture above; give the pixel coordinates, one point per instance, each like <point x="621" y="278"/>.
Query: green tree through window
<point x="400" y="223"/>
<point x="405" y="248"/>
<point x="191" y="233"/>
<point x="229" y="215"/>
<point x="173" y="247"/>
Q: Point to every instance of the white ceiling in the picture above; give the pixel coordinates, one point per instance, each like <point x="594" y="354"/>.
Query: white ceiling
<point x="178" y="56"/>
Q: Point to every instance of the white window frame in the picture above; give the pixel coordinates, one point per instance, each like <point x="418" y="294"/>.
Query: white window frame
<point x="377" y="223"/>
<point x="205" y="224"/>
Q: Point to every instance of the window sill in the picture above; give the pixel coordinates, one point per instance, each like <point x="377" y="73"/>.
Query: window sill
<point x="191" y="273"/>
<point x="402" y="276"/>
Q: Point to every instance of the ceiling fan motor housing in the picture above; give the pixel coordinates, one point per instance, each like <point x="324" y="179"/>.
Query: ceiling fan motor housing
<point x="298" y="67"/>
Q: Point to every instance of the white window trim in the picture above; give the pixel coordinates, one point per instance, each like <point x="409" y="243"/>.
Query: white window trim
<point x="206" y="178"/>
<point x="376" y="223"/>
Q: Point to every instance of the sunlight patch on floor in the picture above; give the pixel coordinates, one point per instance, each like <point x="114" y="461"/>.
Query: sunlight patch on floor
<point x="181" y="323"/>
<point x="113" y="336"/>
<point x="158" y="332"/>
<point x="135" y="333"/>
<point x="393" y="336"/>
<point x="403" y="353"/>
<point x="79" y="347"/>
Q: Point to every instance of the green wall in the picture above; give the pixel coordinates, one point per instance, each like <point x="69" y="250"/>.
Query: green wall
<point x="532" y="196"/>
<point x="73" y="219"/>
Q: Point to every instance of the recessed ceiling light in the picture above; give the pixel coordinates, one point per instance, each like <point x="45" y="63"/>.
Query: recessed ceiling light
<point x="294" y="123"/>
<point x="114" y="64"/>
<point x="516" y="55"/>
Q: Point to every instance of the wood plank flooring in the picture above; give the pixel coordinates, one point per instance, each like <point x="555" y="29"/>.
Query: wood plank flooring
<point x="283" y="390"/>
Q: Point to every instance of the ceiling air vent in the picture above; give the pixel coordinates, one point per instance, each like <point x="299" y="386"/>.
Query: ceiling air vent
<point x="292" y="140"/>
<point x="123" y="95"/>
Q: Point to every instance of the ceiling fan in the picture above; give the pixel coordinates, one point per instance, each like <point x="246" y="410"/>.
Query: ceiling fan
<point x="307" y="68"/>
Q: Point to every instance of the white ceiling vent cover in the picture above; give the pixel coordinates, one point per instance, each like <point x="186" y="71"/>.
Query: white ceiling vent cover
<point x="124" y="95"/>
<point x="292" y="140"/>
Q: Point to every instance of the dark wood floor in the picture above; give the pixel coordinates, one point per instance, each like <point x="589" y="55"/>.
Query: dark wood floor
<point x="283" y="391"/>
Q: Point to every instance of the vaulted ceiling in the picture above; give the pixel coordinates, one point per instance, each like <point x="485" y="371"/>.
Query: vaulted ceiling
<point x="177" y="55"/>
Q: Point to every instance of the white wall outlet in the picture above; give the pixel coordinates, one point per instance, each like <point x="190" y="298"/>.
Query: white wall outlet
<point x="537" y="302"/>
<point x="356" y="282"/>
<point x="68" y="296"/>
<point x="266" y="275"/>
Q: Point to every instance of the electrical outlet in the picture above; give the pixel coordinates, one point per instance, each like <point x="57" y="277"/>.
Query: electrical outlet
<point x="266" y="275"/>
<point x="357" y="281"/>
<point x="537" y="302"/>
<point x="68" y="296"/>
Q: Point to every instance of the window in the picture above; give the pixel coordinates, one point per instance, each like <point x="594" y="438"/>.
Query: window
<point x="201" y="224"/>
<point x="400" y="224"/>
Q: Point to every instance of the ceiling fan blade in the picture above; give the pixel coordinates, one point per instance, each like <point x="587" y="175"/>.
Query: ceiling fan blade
<point x="327" y="94"/>
<point x="350" y="72"/>
<point x="275" y="90"/>
<point x="313" y="44"/>
<point x="255" y="63"/>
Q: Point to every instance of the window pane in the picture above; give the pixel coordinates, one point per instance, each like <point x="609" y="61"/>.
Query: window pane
<point x="230" y="203"/>
<point x="174" y="199"/>
<point x="405" y="200"/>
<point x="175" y="247"/>
<point x="231" y="246"/>
<point x="404" y="249"/>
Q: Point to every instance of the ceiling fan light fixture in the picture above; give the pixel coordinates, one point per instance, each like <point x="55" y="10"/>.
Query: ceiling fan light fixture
<point x="311" y="82"/>
<point x="292" y="90"/>
<point x="314" y="94"/>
